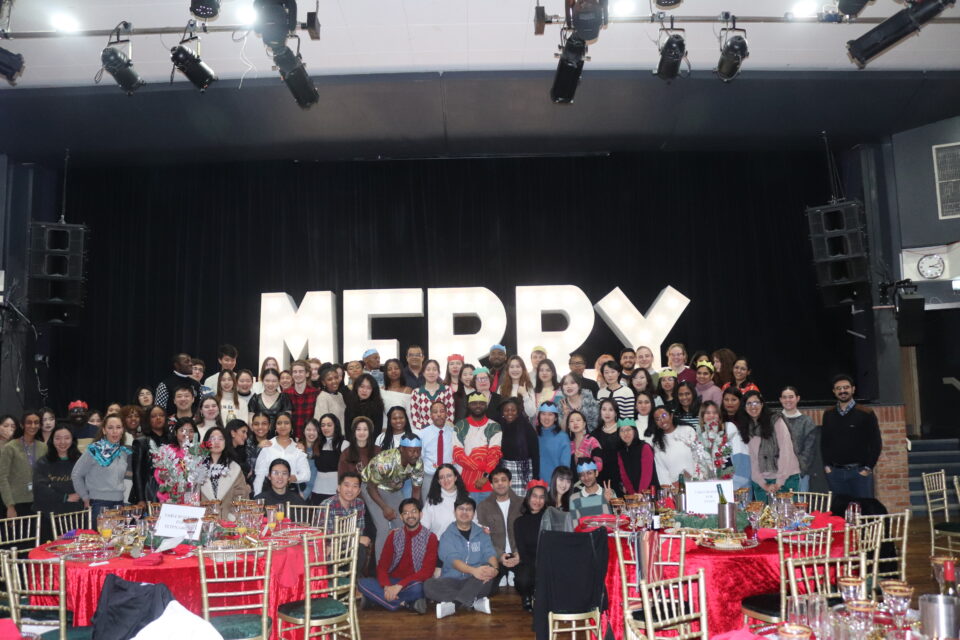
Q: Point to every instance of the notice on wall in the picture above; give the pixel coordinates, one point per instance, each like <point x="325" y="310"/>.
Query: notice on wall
<point x="702" y="496"/>
<point x="170" y="522"/>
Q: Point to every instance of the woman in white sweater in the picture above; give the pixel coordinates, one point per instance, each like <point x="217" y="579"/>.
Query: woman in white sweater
<point x="282" y="446"/>
<point x="673" y="448"/>
<point x="438" y="511"/>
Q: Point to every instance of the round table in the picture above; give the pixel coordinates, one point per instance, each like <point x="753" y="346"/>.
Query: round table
<point x="729" y="576"/>
<point x="180" y="574"/>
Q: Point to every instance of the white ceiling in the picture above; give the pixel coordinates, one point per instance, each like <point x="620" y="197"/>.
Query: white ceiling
<point x="386" y="36"/>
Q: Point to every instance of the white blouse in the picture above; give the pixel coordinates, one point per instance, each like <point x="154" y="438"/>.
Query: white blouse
<point x="299" y="465"/>
<point x="678" y="455"/>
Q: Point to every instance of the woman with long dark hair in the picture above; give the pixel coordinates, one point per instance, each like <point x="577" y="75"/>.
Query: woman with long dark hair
<point x="553" y="441"/>
<point x="607" y="434"/>
<point x="520" y="446"/>
<point x="576" y="398"/>
<point x="673" y="448"/>
<point x="646" y="403"/>
<point x="455" y="363"/>
<point x="516" y="384"/>
<point x="398" y="427"/>
<point x="359" y="449"/>
<point x="426" y="394"/>
<point x="367" y="402"/>
<point x="561" y="484"/>
<point x="738" y="435"/>
<point x="547" y="386"/>
<point x="48" y="422"/>
<point x="623" y="396"/>
<point x="225" y="481"/>
<point x="640" y="380"/>
<point x="773" y="464"/>
<point x="143" y="398"/>
<point x="271" y="402"/>
<point x="445" y="490"/>
<point x="281" y="446"/>
<point x="526" y="533"/>
<point x="144" y="487"/>
<point x="666" y="389"/>
<point x="258" y="439"/>
<point x="326" y="456"/>
<point x="395" y="392"/>
<point x="53" y="490"/>
<point x="582" y="444"/>
<point x="635" y="469"/>
<point x="741" y="377"/>
<point x="16" y="466"/>
<point x="688" y="405"/>
<point x="723" y="360"/>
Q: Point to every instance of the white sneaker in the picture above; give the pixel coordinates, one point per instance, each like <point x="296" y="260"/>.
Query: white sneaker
<point x="445" y="609"/>
<point x="509" y="578"/>
<point x="482" y="605"/>
<point x="503" y="580"/>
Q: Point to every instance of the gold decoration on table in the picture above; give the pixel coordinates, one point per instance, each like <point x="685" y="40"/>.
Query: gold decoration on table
<point x="768" y="518"/>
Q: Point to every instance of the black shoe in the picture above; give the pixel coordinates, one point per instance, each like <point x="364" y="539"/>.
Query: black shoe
<point x="528" y="604"/>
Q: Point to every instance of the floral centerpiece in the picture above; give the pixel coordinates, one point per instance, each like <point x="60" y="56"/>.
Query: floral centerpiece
<point x="180" y="470"/>
<point x="715" y="452"/>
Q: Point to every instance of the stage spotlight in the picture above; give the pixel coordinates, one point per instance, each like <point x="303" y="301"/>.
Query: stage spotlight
<point x="732" y="53"/>
<point x="190" y="65"/>
<point x="295" y="75"/>
<point x="851" y="7"/>
<point x="894" y="29"/>
<point x="118" y="65"/>
<point x="205" y="9"/>
<point x="569" y="69"/>
<point x="668" y="4"/>
<point x="11" y="65"/>
<point x="671" y="57"/>
<point x="588" y="17"/>
<point x="275" y="20"/>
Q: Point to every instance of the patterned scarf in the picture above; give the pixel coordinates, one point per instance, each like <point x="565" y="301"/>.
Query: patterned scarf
<point x="419" y="550"/>
<point x="104" y="451"/>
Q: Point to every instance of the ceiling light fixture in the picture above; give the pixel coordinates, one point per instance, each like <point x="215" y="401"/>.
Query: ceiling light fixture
<point x="205" y="9"/>
<point x="573" y="52"/>
<point x="733" y="50"/>
<point x="294" y="74"/>
<point x="11" y="65"/>
<point x="189" y="63"/>
<point x="894" y="29"/>
<point x="64" y="22"/>
<point x="118" y="64"/>
<point x="673" y="49"/>
<point x="276" y="22"/>
<point x="851" y="7"/>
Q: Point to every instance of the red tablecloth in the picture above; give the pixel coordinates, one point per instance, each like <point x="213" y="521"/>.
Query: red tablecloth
<point x="182" y="577"/>
<point x="730" y="576"/>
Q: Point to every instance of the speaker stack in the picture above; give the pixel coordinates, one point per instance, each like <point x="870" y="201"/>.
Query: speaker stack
<point x="840" y="255"/>
<point x="56" y="283"/>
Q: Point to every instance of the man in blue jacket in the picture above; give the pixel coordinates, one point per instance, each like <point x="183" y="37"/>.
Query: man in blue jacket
<point x="469" y="565"/>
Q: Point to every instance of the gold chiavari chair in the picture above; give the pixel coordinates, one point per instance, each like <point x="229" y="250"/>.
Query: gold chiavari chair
<point x="570" y="625"/>
<point x="40" y="578"/>
<point x="329" y="607"/>
<point x="669" y="545"/>
<point x="770" y="608"/>
<point x="817" y="501"/>
<point x="60" y="523"/>
<point x="22" y="531"/>
<point x="308" y="515"/>
<point x="675" y="605"/>
<point x="821" y="575"/>
<point x="863" y="537"/>
<point x="935" y="492"/>
<point x="894" y="531"/>
<point x="241" y="581"/>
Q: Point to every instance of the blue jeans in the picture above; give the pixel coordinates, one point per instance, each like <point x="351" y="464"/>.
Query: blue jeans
<point x="370" y="587"/>
<point x="804" y="483"/>
<point x="849" y="482"/>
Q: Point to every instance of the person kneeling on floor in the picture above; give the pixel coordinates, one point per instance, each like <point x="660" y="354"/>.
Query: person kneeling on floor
<point x="469" y="564"/>
<point x="408" y="559"/>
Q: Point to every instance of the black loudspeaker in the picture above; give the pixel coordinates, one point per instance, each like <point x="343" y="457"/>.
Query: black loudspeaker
<point x="840" y="255"/>
<point x="910" y="309"/>
<point x="57" y="261"/>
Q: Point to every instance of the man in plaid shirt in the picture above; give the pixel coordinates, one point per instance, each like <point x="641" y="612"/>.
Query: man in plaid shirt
<point x="346" y="503"/>
<point x="302" y="396"/>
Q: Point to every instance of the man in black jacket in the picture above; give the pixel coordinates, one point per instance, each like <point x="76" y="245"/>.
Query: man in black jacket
<point x="850" y="443"/>
<point x="182" y="370"/>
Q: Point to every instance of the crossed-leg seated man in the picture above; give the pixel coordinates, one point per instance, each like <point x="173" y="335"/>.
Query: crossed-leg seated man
<point x="408" y="559"/>
<point x="469" y="564"/>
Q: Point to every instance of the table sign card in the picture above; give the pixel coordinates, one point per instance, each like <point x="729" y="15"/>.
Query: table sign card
<point x="170" y="522"/>
<point x="702" y="496"/>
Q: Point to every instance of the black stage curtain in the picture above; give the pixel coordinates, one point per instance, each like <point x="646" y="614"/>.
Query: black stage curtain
<point x="180" y="254"/>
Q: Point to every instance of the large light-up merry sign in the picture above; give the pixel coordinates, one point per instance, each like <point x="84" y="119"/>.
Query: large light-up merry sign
<point x="311" y="329"/>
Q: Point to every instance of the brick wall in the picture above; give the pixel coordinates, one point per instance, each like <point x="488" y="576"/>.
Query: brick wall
<point x="892" y="473"/>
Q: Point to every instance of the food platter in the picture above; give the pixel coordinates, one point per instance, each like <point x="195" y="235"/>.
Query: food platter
<point x="101" y="555"/>
<point x="728" y="542"/>
<point x="74" y="546"/>
<point x="296" y="533"/>
<point x="282" y="542"/>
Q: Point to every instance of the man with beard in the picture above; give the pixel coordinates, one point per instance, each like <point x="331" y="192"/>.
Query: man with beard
<point x="497" y="360"/>
<point x="850" y="443"/>
<point x="182" y="374"/>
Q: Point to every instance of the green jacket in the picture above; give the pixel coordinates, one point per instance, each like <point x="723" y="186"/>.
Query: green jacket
<point x="16" y="474"/>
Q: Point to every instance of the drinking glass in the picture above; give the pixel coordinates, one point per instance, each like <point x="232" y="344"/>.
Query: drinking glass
<point x="851" y="588"/>
<point x="852" y="514"/>
<point x="897" y="598"/>
<point x="794" y="631"/>
<point x="797" y="610"/>
<point x="817" y="614"/>
<point x="887" y="584"/>
<point x="151" y="527"/>
<point x="105" y="528"/>
<point x="861" y="616"/>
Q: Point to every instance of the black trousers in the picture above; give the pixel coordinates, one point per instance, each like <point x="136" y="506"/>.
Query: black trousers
<point x="524" y="579"/>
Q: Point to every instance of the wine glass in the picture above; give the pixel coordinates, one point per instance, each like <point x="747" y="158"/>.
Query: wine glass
<point x="851" y="588"/>
<point x="136" y="512"/>
<point x="861" y="616"/>
<point x="281" y="516"/>
<point x="897" y="599"/>
<point x="151" y="524"/>
<point x="794" y="631"/>
<point x="105" y="527"/>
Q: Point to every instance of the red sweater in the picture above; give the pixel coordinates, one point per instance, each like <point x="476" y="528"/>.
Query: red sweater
<point x="405" y="573"/>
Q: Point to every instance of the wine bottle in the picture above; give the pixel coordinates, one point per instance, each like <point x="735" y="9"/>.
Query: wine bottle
<point x="949" y="579"/>
<point x="682" y="485"/>
<point x="723" y="498"/>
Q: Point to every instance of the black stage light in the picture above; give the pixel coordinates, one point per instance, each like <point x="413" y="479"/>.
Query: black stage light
<point x="894" y="29"/>
<point x="117" y="64"/>
<point x="588" y="18"/>
<point x="190" y="65"/>
<point x="851" y="7"/>
<point x="205" y="9"/>
<point x="671" y="56"/>
<point x="11" y="65"/>
<point x="668" y="4"/>
<point x="731" y="57"/>
<point x="295" y="75"/>
<point x="275" y="20"/>
<point x="569" y="69"/>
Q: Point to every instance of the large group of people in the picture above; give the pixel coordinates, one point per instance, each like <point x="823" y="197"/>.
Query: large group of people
<point x="450" y="468"/>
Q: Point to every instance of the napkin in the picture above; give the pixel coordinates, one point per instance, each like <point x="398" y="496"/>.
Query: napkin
<point x="170" y="543"/>
<point x="149" y="560"/>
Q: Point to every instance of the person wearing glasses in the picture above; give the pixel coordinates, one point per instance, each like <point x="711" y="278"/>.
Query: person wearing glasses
<point x="850" y="442"/>
<point x="773" y="463"/>
<point x="280" y="491"/>
<point x="578" y="364"/>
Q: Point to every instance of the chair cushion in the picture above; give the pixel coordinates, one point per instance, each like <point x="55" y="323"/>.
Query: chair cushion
<point x="239" y="626"/>
<point x="947" y="527"/>
<point x="767" y="604"/>
<point x="73" y="633"/>
<point x="320" y="608"/>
